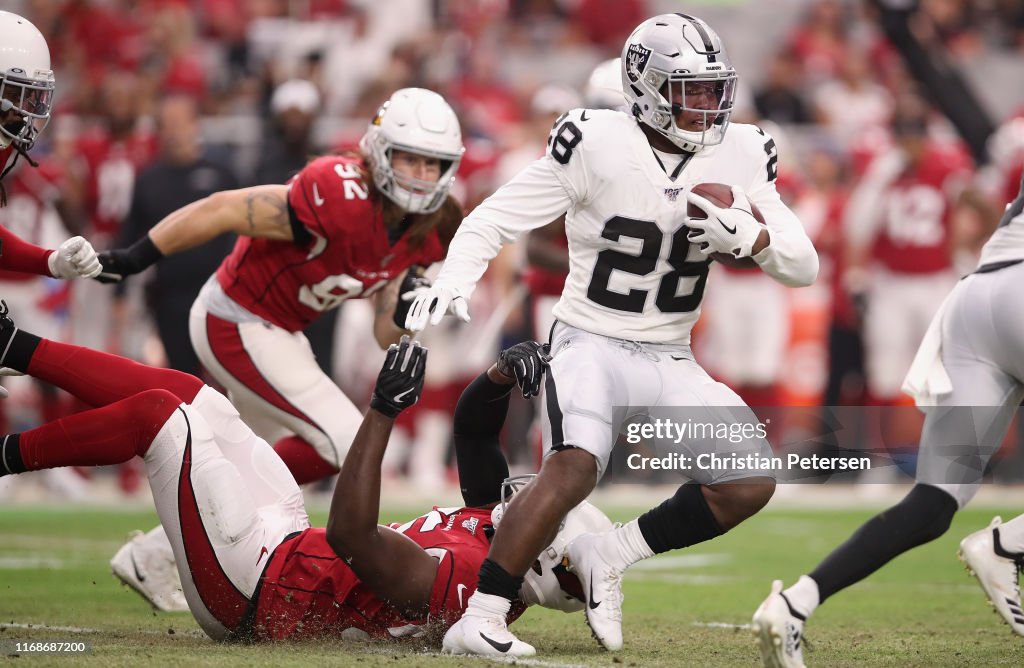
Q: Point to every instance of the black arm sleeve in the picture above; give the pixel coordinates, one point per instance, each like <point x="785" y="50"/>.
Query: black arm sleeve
<point x="479" y="417"/>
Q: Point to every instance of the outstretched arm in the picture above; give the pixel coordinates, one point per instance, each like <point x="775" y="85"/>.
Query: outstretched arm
<point x="394" y="567"/>
<point x="532" y="199"/>
<point x="480" y="416"/>
<point x="259" y="211"/>
<point x="75" y="257"/>
<point x="19" y="255"/>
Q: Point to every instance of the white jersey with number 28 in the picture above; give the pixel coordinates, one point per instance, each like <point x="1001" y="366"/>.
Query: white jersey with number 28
<point x="633" y="274"/>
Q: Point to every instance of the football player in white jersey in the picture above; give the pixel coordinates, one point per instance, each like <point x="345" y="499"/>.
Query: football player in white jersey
<point x="968" y="378"/>
<point x="620" y="343"/>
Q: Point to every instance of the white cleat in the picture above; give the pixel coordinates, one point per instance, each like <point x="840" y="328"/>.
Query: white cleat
<point x="602" y="588"/>
<point x="484" y="636"/>
<point x="150" y="573"/>
<point x="779" y="632"/>
<point x="997" y="572"/>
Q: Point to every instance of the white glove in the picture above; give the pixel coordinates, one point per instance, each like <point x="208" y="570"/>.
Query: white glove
<point x="432" y="304"/>
<point x="73" y="258"/>
<point x="733" y="230"/>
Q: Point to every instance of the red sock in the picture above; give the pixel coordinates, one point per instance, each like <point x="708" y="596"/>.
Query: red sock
<point x="101" y="378"/>
<point x="109" y="435"/>
<point x="303" y="460"/>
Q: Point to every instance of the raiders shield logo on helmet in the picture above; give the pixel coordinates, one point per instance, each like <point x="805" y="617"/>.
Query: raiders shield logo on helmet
<point x="636" y="61"/>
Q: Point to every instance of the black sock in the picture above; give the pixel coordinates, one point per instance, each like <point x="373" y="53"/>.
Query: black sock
<point x="10" y="455"/>
<point x="680" y="521"/>
<point x="496" y="580"/>
<point x="922" y="516"/>
<point x="17" y="348"/>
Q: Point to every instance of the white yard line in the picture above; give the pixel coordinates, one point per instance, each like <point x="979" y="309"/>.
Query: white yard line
<point x="721" y="625"/>
<point x="85" y="630"/>
<point x="31" y="562"/>
<point x="680" y="561"/>
<point x="682" y="578"/>
<point x="16" y="540"/>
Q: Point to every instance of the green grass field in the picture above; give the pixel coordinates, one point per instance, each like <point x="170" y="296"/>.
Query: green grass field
<point x="681" y="609"/>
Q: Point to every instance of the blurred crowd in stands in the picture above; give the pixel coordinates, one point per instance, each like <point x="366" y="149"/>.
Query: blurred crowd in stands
<point x="161" y="102"/>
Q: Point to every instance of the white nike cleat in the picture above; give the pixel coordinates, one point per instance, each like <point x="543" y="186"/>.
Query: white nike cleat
<point x="150" y="573"/>
<point x="997" y="571"/>
<point x="602" y="588"/>
<point x="484" y="636"/>
<point x="779" y="632"/>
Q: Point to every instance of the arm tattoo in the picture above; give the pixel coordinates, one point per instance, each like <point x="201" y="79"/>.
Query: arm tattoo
<point x="274" y="213"/>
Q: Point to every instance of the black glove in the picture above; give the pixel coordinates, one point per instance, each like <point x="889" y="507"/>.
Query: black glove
<point x="525" y="362"/>
<point x="400" y="381"/>
<point x="120" y="263"/>
<point x="414" y="280"/>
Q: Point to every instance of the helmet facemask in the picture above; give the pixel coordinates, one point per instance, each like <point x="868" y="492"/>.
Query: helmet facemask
<point x="692" y="110"/>
<point x="412" y="194"/>
<point x="30" y="100"/>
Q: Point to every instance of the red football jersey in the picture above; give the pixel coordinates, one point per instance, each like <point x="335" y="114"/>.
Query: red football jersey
<point x="914" y="234"/>
<point x="108" y="168"/>
<point x="349" y="257"/>
<point x="310" y="592"/>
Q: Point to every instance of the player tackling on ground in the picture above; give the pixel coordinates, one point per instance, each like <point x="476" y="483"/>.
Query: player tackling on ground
<point x="968" y="377"/>
<point x="251" y="566"/>
<point x="349" y="226"/>
<point x="26" y="94"/>
<point x="620" y="344"/>
<point x="346" y="227"/>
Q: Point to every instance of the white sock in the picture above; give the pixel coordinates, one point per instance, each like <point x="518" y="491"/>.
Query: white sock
<point x="487" y="605"/>
<point x="1011" y="535"/>
<point x="803" y="597"/>
<point x="625" y="546"/>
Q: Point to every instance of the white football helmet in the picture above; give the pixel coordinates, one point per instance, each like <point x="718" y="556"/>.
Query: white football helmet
<point x="604" y="88"/>
<point x="673" y="65"/>
<point x="26" y="81"/>
<point x="418" y="121"/>
<point x="549" y="583"/>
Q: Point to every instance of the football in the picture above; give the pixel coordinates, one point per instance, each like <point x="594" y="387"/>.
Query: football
<point x="721" y="195"/>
